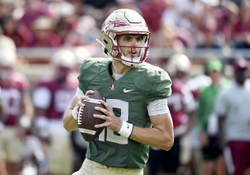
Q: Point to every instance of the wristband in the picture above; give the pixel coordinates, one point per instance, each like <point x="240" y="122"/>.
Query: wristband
<point x="74" y="113"/>
<point x="126" y="129"/>
<point x="25" y="121"/>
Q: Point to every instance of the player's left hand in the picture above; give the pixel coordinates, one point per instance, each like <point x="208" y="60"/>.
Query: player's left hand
<point x="111" y="121"/>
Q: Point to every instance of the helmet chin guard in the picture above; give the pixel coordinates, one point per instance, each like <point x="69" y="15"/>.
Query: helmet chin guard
<point x="124" y="22"/>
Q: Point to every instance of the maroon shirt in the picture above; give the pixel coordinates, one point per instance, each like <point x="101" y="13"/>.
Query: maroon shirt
<point x="12" y="94"/>
<point x="61" y="95"/>
<point x="176" y="102"/>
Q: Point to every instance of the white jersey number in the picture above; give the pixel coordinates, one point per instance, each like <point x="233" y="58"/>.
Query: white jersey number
<point x="111" y="136"/>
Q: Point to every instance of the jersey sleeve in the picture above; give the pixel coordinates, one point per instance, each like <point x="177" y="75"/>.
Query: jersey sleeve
<point x="89" y="69"/>
<point x="161" y="85"/>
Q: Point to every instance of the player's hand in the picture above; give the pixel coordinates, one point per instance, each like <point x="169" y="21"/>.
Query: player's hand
<point x="111" y="121"/>
<point x="80" y="101"/>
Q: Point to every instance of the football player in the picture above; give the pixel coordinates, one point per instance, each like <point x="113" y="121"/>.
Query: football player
<point x="19" y="109"/>
<point x="136" y="93"/>
<point x="51" y="97"/>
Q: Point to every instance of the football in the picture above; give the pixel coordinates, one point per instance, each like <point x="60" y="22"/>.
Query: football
<point x="85" y="120"/>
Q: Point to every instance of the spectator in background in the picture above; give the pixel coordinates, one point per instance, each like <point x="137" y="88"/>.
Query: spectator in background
<point x="43" y="33"/>
<point x="190" y="12"/>
<point x="51" y="97"/>
<point x="153" y="19"/>
<point x="174" y="19"/>
<point x="167" y="37"/>
<point x="226" y="15"/>
<point x="213" y="159"/>
<point x="66" y="18"/>
<point x="80" y="7"/>
<point x="99" y="4"/>
<point x="232" y="108"/>
<point x="60" y="8"/>
<point x="241" y="29"/>
<point x="19" y="110"/>
<point x="19" y="33"/>
<point x="6" y="9"/>
<point x="128" y="4"/>
<point x="33" y="9"/>
<point x="209" y="38"/>
<point x="85" y="32"/>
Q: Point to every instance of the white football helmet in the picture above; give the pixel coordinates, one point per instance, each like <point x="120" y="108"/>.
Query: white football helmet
<point x="120" y="22"/>
<point x="7" y="43"/>
<point x="63" y="58"/>
<point x="7" y="57"/>
<point x="81" y="53"/>
<point x="180" y="62"/>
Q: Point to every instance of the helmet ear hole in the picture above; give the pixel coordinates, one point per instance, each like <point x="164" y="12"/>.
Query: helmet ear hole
<point x="106" y="42"/>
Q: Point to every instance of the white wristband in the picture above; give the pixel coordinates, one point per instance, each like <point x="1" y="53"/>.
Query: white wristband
<point x="74" y="113"/>
<point x="25" y="121"/>
<point x="126" y="129"/>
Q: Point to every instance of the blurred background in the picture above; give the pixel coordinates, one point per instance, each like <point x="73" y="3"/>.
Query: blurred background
<point x="199" y="29"/>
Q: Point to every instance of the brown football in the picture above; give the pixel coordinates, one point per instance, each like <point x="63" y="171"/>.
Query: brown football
<point x="85" y="120"/>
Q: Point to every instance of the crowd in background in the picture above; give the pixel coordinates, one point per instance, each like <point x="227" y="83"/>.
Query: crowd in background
<point x="174" y="24"/>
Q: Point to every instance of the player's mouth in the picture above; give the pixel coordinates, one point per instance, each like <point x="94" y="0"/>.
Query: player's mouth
<point x="133" y="54"/>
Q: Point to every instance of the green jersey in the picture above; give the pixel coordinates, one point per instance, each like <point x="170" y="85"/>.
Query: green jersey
<point x="128" y="97"/>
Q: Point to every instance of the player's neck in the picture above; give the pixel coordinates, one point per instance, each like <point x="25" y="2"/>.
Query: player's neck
<point x="119" y="68"/>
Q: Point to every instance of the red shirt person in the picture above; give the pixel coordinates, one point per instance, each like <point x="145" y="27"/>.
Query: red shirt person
<point x="51" y="97"/>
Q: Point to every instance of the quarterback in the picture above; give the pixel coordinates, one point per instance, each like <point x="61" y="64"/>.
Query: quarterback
<point x="136" y="93"/>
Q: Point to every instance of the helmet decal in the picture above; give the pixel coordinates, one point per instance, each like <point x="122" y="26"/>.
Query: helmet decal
<point x="118" y="23"/>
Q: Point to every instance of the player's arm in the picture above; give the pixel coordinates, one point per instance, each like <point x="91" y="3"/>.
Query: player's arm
<point x="69" y="122"/>
<point x="70" y="114"/>
<point x="161" y="135"/>
<point x="28" y="110"/>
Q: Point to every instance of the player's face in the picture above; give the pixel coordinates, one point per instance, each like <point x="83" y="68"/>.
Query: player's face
<point x="61" y="73"/>
<point x="130" y="45"/>
<point x="241" y="76"/>
<point x="5" y="72"/>
<point x="215" y="75"/>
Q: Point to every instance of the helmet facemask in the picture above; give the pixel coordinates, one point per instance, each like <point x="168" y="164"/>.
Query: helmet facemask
<point x="140" y="50"/>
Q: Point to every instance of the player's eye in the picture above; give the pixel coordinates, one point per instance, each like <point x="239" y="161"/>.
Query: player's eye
<point x="127" y="38"/>
<point x="139" y="38"/>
